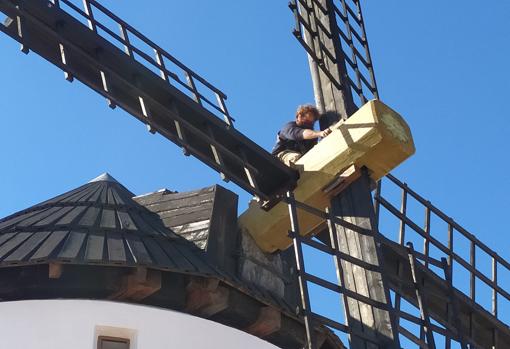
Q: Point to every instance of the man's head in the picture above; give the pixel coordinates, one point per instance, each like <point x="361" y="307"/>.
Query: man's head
<point x="306" y="115"/>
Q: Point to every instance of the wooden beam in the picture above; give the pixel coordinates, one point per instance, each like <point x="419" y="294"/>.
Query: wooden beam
<point x="375" y="137"/>
<point x="142" y="93"/>
<point x="268" y="322"/>
<point x="139" y="285"/>
<point x="55" y="270"/>
<point x="205" y="297"/>
<point x="334" y="103"/>
<point x="349" y="175"/>
<point x="355" y="206"/>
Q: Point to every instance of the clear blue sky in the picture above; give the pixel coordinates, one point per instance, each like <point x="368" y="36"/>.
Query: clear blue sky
<point x="442" y="65"/>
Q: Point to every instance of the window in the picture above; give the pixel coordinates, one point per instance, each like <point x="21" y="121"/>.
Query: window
<point x="104" y="342"/>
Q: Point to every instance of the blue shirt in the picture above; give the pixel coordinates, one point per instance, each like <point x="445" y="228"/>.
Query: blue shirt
<point x="290" y="137"/>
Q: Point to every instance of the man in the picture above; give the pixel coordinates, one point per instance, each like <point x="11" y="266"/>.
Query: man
<point x="297" y="137"/>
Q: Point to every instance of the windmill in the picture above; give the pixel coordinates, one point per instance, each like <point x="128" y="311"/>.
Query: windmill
<point x="244" y="166"/>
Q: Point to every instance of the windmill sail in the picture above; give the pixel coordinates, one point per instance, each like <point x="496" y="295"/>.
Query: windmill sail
<point x="429" y="309"/>
<point x="154" y="87"/>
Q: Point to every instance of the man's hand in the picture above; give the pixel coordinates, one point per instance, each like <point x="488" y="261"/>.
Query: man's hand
<point x="325" y="132"/>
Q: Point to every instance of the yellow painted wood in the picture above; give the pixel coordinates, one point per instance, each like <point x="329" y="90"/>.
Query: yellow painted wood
<point x="375" y="136"/>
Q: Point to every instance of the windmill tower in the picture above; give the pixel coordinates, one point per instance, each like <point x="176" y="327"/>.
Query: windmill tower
<point x="173" y="105"/>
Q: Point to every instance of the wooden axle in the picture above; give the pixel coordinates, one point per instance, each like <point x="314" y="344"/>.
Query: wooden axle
<point x="375" y="137"/>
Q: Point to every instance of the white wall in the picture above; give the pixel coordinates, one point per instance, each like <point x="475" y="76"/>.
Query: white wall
<point x="65" y="324"/>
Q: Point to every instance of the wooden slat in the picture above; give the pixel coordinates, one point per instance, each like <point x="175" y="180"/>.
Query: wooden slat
<point x="179" y="129"/>
<point x="88" y="11"/>
<point x="157" y="198"/>
<point x="127" y="45"/>
<point x="5" y="237"/>
<point x="108" y="219"/>
<point x="117" y="197"/>
<point x="195" y="257"/>
<point x="161" y="63"/>
<point x="111" y="200"/>
<point x="179" y="229"/>
<point x="90" y="216"/>
<point x="68" y="76"/>
<point x="95" y="247"/>
<point x="59" y="198"/>
<point x="116" y="248"/>
<point x="22" y="35"/>
<point x="49" y="245"/>
<point x="78" y="195"/>
<point x="176" y="256"/>
<point x="216" y="154"/>
<point x="27" y="247"/>
<point x="13" y="243"/>
<point x="71" y="216"/>
<point x="72" y="245"/>
<point x="159" y="256"/>
<point x="9" y="222"/>
<point x="138" y="250"/>
<point x="90" y="193"/>
<point x="97" y="193"/>
<point x="198" y="207"/>
<point x="143" y="226"/>
<point x="55" y="216"/>
<point x="125" y="221"/>
<point x="179" y="203"/>
<point x="192" y="217"/>
<point x="35" y="218"/>
<point x="103" y="197"/>
<point x="146" y="113"/>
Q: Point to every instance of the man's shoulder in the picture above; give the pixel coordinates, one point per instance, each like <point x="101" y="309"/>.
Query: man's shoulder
<point x="289" y="124"/>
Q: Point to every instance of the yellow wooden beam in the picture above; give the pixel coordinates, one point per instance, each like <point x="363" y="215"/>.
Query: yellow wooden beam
<point x="375" y="137"/>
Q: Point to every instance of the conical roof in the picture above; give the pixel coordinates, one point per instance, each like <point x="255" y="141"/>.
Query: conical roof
<point x="97" y="223"/>
<point x="85" y="243"/>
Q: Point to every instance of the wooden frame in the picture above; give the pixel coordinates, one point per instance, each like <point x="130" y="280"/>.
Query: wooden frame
<point x="101" y="339"/>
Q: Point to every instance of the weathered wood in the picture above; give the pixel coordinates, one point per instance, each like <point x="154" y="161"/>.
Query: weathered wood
<point x="206" y="297"/>
<point x="334" y="103"/>
<point x="165" y="195"/>
<point x="115" y="247"/>
<point x="138" y="285"/>
<point x="141" y="92"/>
<point x="94" y="248"/>
<point x="37" y="217"/>
<point x="27" y="247"/>
<point x="138" y="249"/>
<point x="355" y="205"/>
<point x="13" y="243"/>
<point x="268" y="322"/>
<point x="49" y="245"/>
<point x="473" y="323"/>
<point x="222" y="241"/>
<point x="55" y="270"/>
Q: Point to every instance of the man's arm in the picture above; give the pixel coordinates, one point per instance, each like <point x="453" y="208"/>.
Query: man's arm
<point x="311" y="134"/>
<point x="294" y="133"/>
